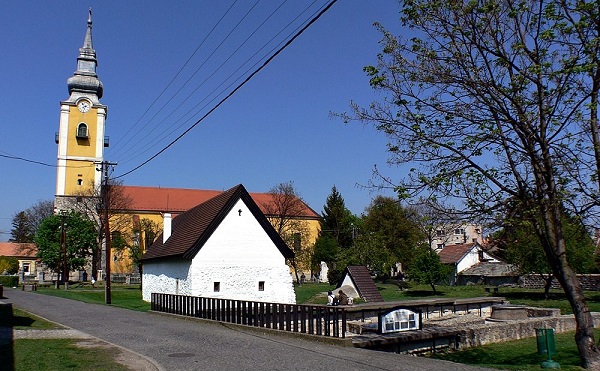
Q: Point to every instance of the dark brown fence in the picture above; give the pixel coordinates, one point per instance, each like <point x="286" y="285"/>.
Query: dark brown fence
<point x="306" y="319"/>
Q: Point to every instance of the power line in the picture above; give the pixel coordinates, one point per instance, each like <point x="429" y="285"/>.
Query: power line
<point x="173" y="79"/>
<point x="11" y="157"/>
<point x="166" y="132"/>
<point x="313" y="20"/>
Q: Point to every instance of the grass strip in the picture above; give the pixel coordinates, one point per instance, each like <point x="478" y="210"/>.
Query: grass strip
<point x="60" y="354"/>
<point x="518" y="354"/>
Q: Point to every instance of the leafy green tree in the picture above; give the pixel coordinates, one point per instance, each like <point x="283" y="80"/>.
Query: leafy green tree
<point x="498" y="100"/>
<point x="371" y="251"/>
<point x="9" y="265"/>
<point x="427" y="268"/>
<point x="327" y="250"/>
<point x="387" y="223"/>
<point x="523" y="249"/>
<point x="21" y="228"/>
<point x="337" y="220"/>
<point x="63" y="250"/>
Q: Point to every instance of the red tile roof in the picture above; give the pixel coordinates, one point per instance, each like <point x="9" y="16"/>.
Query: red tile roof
<point x="178" y="200"/>
<point x="452" y="254"/>
<point x="361" y="277"/>
<point x="191" y="230"/>
<point x="18" y="250"/>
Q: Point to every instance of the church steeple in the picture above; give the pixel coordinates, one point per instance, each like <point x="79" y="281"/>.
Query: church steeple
<point x="84" y="81"/>
<point x="81" y="135"/>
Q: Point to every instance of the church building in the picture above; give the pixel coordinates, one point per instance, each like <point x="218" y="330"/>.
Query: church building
<point x="81" y="141"/>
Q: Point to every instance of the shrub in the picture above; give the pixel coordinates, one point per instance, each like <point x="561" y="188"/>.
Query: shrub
<point x="9" y="265"/>
<point x="9" y="281"/>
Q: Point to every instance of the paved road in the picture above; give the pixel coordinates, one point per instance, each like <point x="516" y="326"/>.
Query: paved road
<point x="181" y="344"/>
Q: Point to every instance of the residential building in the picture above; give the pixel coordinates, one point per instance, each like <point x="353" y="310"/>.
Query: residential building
<point x="453" y="234"/>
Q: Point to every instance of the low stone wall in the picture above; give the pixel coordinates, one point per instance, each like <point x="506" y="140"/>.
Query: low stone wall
<point x="590" y="282"/>
<point x="496" y="332"/>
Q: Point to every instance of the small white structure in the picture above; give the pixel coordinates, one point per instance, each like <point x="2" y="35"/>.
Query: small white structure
<point x="465" y="256"/>
<point x="356" y="282"/>
<point x="222" y="248"/>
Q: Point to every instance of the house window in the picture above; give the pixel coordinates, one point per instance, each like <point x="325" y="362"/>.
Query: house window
<point x="440" y="233"/>
<point x="26" y="268"/>
<point x="460" y="231"/>
<point x="440" y="246"/>
<point x="261" y="285"/>
<point x="217" y="286"/>
<point x="82" y="131"/>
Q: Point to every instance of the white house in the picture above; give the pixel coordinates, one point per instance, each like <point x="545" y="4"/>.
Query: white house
<point x="223" y="248"/>
<point x="465" y="256"/>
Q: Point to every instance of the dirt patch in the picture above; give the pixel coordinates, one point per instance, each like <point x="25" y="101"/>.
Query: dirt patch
<point x="132" y="361"/>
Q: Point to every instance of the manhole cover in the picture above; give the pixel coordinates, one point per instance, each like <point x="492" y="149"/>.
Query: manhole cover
<point x="181" y="355"/>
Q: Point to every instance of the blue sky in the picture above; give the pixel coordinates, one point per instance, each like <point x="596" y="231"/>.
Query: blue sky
<point x="276" y="128"/>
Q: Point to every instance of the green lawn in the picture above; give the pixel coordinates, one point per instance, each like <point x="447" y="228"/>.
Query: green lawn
<point x="23" y="320"/>
<point x="124" y="296"/>
<point x="51" y="354"/>
<point x="59" y="354"/>
<point x="519" y="354"/>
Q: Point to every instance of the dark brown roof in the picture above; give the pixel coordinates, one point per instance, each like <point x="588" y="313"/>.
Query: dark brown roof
<point x="452" y="254"/>
<point x="178" y="200"/>
<point x="192" y="229"/>
<point x="361" y="278"/>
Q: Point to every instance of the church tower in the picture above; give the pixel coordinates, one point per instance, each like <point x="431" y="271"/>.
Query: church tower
<point x="81" y="134"/>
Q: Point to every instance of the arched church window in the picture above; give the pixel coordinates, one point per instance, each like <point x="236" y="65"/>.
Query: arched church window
<point x="82" y="131"/>
<point x="79" y="182"/>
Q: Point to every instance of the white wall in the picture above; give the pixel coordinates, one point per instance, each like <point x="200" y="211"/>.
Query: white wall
<point x="170" y="276"/>
<point x="472" y="258"/>
<point x="238" y="255"/>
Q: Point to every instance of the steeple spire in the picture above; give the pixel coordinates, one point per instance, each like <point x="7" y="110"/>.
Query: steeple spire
<point x="84" y="81"/>
<point x="87" y="42"/>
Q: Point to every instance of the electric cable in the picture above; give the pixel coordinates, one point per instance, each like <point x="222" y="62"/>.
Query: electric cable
<point x="289" y="42"/>
<point x="174" y="78"/>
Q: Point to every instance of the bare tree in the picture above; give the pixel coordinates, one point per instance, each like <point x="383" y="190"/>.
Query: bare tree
<point x="285" y="211"/>
<point x="494" y="102"/>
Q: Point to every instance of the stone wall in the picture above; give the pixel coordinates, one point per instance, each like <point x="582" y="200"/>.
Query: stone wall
<point x="497" y="332"/>
<point x="590" y="282"/>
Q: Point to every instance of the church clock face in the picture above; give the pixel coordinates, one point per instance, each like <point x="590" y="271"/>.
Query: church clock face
<point x="84" y="106"/>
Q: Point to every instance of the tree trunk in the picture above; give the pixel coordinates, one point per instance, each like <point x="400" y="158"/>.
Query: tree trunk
<point x="584" y="333"/>
<point x="555" y="249"/>
<point x="547" y="286"/>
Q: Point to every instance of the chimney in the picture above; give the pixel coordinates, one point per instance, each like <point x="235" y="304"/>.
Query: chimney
<point x="166" y="226"/>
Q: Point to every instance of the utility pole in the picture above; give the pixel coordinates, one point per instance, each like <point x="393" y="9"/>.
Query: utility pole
<point x="105" y="191"/>
<point x="63" y="252"/>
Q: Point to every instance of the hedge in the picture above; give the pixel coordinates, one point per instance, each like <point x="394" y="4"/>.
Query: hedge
<point x="9" y="281"/>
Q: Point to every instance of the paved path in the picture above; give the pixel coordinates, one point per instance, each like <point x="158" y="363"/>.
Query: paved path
<point x="181" y="344"/>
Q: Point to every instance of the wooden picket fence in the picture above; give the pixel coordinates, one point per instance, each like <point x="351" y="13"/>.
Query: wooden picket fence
<point x="317" y="320"/>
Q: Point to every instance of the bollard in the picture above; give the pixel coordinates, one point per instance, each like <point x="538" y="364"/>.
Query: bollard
<point x="546" y="346"/>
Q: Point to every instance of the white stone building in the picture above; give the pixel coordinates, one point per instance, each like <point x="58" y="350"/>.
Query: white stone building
<point x="223" y="248"/>
<point x="456" y="234"/>
<point x="464" y="256"/>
